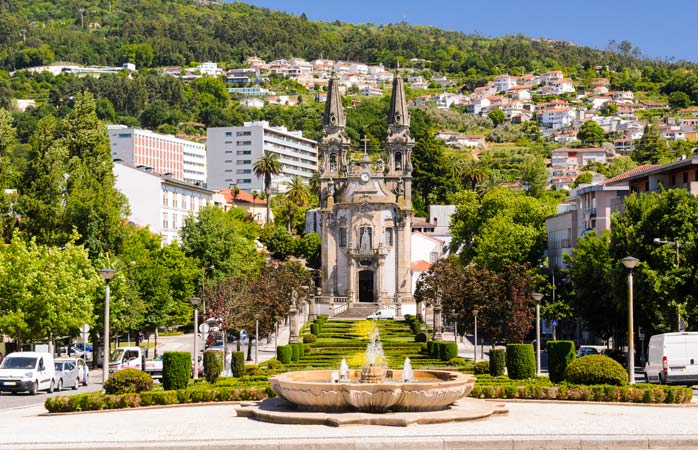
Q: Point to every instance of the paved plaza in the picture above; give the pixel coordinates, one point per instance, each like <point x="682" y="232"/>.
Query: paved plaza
<point x="529" y="425"/>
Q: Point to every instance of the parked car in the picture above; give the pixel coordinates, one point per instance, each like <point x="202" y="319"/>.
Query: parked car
<point x="585" y="350"/>
<point x="132" y="358"/>
<point x="27" y="371"/>
<point x="616" y="355"/>
<point x="382" y="314"/>
<point x="672" y="358"/>
<point x="67" y="373"/>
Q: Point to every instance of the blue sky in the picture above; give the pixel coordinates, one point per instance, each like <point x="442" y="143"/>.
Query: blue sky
<point x="662" y="30"/>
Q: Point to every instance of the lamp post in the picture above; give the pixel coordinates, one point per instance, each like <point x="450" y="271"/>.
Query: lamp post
<point x="537" y="296"/>
<point x="676" y="244"/>
<point x="195" y="303"/>
<point x="629" y="262"/>
<point x="203" y="298"/>
<point x="256" y="338"/>
<point x="475" y="311"/>
<point x="107" y="274"/>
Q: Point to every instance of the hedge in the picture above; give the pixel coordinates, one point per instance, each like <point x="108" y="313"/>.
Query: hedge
<point x="237" y="364"/>
<point x="213" y="365"/>
<point x="448" y="350"/>
<point x="309" y="338"/>
<point x="421" y="337"/>
<point x="521" y="361"/>
<point x="596" y="369"/>
<point x="481" y="367"/>
<point x="498" y="362"/>
<point x="295" y="354"/>
<point x="560" y="355"/>
<point x="284" y="353"/>
<point x="97" y="401"/>
<point x="128" y="381"/>
<point x="314" y="329"/>
<point x="176" y="370"/>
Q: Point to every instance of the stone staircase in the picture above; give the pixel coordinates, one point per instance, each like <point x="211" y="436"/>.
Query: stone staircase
<point x="357" y="311"/>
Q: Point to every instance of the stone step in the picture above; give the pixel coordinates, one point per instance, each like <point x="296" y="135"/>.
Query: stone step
<point x="357" y="311"/>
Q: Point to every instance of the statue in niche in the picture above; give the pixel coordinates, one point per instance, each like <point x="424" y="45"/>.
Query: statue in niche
<point x="400" y="187"/>
<point x="330" y="188"/>
<point x="364" y="242"/>
<point x="380" y="167"/>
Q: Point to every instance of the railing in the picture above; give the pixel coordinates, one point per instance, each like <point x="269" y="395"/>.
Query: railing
<point x="339" y="308"/>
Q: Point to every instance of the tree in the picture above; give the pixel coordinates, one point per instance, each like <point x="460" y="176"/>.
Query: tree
<point x="267" y="166"/>
<point x="590" y="133"/>
<point x="470" y="172"/>
<point x="678" y="100"/>
<point x="534" y="175"/>
<point x="497" y="116"/>
<point x="7" y="142"/>
<point x="652" y="148"/>
<point x="297" y="191"/>
<point x="583" y="178"/>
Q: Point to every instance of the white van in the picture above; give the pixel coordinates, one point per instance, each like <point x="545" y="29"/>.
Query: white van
<point x="672" y="358"/>
<point x="27" y="371"/>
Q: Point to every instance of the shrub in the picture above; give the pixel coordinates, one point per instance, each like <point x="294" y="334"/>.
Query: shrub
<point x="284" y="354"/>
<point x="457" y="361"/>
<point x="521" y="361"/>
<point x="560" y="355"/>
<point x="421" y="337"/>
<point x="301" y="349"/>
<point x="253" y="371"/>
<point x="176" y="370"/>
<point x="448" y="350"/>
<point x="430" y="348"/>
<point x="309" y="338"/>
<point x="481" y="367"/>
<point x="423" y="348"/>
<point x="315" y="329"/>
<point x="295" y="354"/>
<point x="213" y="365"/>
<point x="596" y="369"/>
<point x="274" y="364"/>
<point x="498" y="362"/>
<point x="237" y="364"/>
<point x="128" y="381"/>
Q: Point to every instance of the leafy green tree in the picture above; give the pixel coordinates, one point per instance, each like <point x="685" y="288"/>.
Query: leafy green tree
<point x="279" y="241"/>
<point x="222" y="239"/>
<point x="93" y="205"/>
<point x="534" y="175"/>
<point x="590" y="133"/>
<point x="584" y="178"/>
<point x="652" y="148"/>
<point x="308" y="247"/>
<point x="497" y="117"/>
<point x="469" y="171"/>
<point x="267" y="166"/>
<point x="7" y="143"/>
<point x="45" y="291"/>
<point x="678" y="100"/>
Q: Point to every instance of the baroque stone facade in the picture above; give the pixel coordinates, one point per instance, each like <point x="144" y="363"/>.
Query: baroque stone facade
<point x="366" y="209"/>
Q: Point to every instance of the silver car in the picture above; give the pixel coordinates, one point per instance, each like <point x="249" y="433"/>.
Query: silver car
<point x="67" y="373"/>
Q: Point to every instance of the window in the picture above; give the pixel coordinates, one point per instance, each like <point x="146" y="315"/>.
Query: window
<point x="388" y="236"/>
<point x="165" y="222"/>
<point x="124" y="135"/>
<point x="333" y="162"/>
<point x="244" y="161"/>
<point x="398" y="161"/>
<point x="165" y="200"/>
<point x="342" y="237"/>
<point x="685" y="177"/>
<point x="244" y="133"/>
<point x="228" y="133"/>
<point x="243" y="143"/>
<point x="244" y="152"/>
<point x="433" y="257"/>
<point x="243" y="171"/>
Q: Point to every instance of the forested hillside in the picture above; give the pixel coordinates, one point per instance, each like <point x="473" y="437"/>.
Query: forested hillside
<point x="177" y="32"/>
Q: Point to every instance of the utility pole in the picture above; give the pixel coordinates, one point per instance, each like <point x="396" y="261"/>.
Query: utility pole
<point x="82" y="18"/>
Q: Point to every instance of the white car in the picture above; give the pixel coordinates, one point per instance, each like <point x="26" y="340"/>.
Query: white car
<point x="27" y="371"/>
<point x="382" y="314"/>
<point x="67" y="373"/>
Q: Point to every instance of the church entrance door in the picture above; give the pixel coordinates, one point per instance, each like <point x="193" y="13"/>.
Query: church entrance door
<point x="366" y="286"/>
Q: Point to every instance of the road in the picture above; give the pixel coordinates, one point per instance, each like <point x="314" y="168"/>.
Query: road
<point x="9" y="400"/>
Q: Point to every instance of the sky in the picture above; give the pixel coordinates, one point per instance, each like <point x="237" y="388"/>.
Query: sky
<point x="664" y="31"/>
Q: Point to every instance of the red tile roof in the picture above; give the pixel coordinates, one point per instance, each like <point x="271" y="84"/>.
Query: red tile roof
<point x="421" y="266"/>
<point x="625" y="175"/>
<point x="242" y="197"/>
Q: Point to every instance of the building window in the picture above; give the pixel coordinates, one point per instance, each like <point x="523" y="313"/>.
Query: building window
<point x="244" y="143"/>
<point x="333" y="162"/>
<point x="165" y="200"/>
<point x="244" y="133"/>
<point x="342" y="237"/>
<point x="389" y="236"/>
<point x="398" y="161"/>
<point x="433" y="257"/>
<point x="244" y="152"/>
<point x="228" y="133"/>
<point x="685" y="177"/>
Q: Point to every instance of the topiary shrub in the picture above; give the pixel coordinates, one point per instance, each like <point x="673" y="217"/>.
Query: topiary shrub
<point x="309" y="338"/>
<point x="430" y="348"/>
<point x="128" y="381"/>
<point x="237" y="364"/>
<point x="274" y="364"/>
<point x="435" y="350"/>
<point x="176" y="370"/>
<point x="213" y="365"/>
<point x="284" y="354"/>
<point x="295" y="354"/>
<point x="481" y="367"/>
<point x="314" y="329"/>
<point x="596" y="369"/>
<point x="457" y="361"/>
<point x="448" y="350"/>
<point x="421" y="337"/>
<point x="301" y="349"/>
<point x="521" y="361"/>
<point x="498" y="362"/>
<point x="560" y="355"/>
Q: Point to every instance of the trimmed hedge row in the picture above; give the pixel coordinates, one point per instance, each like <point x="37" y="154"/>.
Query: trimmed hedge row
<point x="442" y="350"/>
<point x="98" y="401"/>
<point x="176" y="370"/>
<point x="637" y="393"/>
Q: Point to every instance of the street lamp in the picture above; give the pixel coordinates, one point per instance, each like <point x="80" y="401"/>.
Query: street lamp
<point x="195" y="303"/>
<point x="676" y="244"/>
<point x="475" y="311"/>
<point x="629" y="262"/>
<point x="537" y="297"/>
<point x="107" y="274"/>
<point x="203" y="298"/>
<point x="256" y="338"/>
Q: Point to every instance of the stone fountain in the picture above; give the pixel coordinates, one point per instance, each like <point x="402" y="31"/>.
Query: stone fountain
<point x="330" y="396"/>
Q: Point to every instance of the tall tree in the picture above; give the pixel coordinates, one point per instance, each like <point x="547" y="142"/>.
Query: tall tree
<point x="7" y="142"/>
<point x="267" y="166"/>
<point x="590" y="133"/>
<point x="652" y="148"/>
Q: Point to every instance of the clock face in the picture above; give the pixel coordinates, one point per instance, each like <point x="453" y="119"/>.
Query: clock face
<point x="365" y="176"/>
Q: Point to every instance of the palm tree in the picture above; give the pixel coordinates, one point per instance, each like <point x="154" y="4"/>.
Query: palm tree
<point x="266" y="166"/>
<point x="314" y="183"/>
<point x="297" y="191"/>
<point x="470" y="172"/>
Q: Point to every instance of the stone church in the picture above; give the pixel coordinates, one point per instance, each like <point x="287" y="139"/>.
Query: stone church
<point x="366" y="210"/>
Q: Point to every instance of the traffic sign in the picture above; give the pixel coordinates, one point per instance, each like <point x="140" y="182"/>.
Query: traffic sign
<point x="554" y="322"/>
<point x="243" y="335"/>
<point x="84" y="331"/>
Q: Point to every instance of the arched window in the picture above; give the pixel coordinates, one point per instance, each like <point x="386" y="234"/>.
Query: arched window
<point x="398" y="161"/>
<point x="333" y="162"/>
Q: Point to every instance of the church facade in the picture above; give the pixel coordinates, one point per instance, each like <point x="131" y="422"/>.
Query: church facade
<point x="366" y="210"/>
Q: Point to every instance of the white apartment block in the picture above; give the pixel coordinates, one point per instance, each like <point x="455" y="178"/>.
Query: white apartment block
<point x="233" y="151"/>
<point x="158" y="202"/>
<point x="163" y="153"/>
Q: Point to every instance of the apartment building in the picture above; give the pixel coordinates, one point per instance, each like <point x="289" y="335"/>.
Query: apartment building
<point x="232" y="152"/>
<point x="163" y="153"/>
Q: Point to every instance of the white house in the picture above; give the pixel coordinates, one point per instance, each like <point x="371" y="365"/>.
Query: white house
<point x="502" y="83"/>
<point x="557" y="117"/>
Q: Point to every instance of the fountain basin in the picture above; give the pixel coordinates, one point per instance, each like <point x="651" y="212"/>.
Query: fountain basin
<point x="429" y="390"/>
